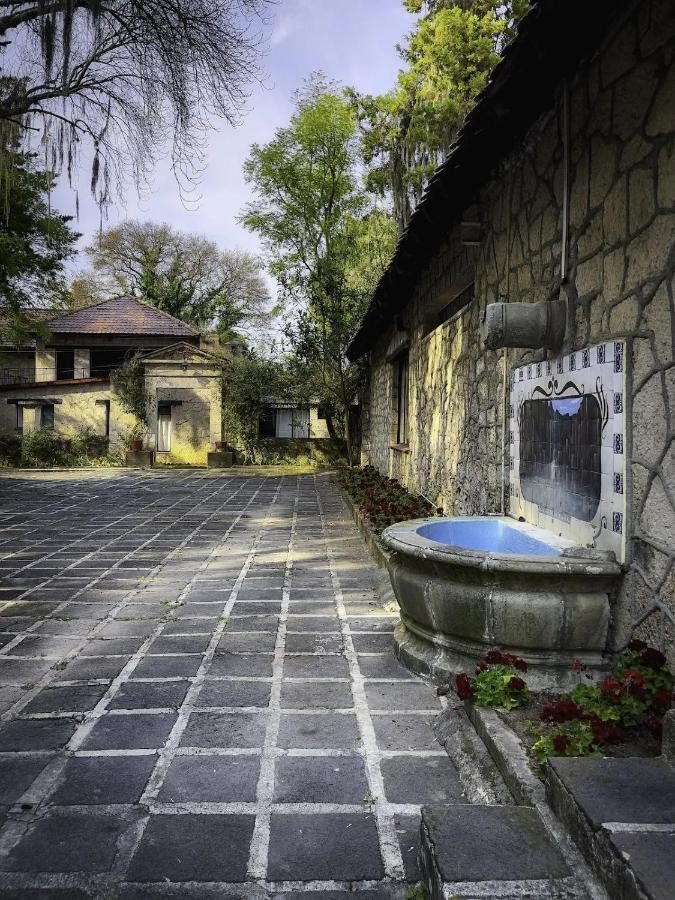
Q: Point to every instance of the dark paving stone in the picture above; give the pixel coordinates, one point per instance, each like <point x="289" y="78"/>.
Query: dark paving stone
<point x="318" y="731"/>
<point x="337" y="847"/>
<point x="652" y="859"/>
<point x="372" y="643"/>
<point x="150" y="695"/>
<point x="408" y="834"/>
<point x="384" y="666"/>
<point x="23" y="671"/>
<point x="120" y="629"/>
<point x="200" y="610"/>
<point x="320" y="779"/>
<point x="189" y="626"/>
<point x="103" y="779"/>
<point x="143" y="611"/>
<point x="211" y="779"/>
<point x="245" y="608"/>
<point x="516" y="842"/>
<point x="181" y="848"/>
<point x="112" y="646"/>
<point x="76" y="698"/>
<point x="85" y="668"/>
<point x="313" y="623"/>
<point x="234" y="693"/>
<point x="312" y="607"/>
<point x="315" y="667"/>
<point x="212" y="729"/>
<point x="402" y="732"/>
<point x="317" y="694"/>
<point x="67" y="843"/>
<point x="132" y="732"/>
<point x="408" y="695"/>
<point x="323" y="643"/>
<point x="16" y="776"/>
<point x="64" y="627"/>
<point x="36" y="734"/>
<point x="373" y="624"/>
<point x="410" y="779"/>
<point x="259" y="665"/>
<point x="167" y="666"/>
<point x="6" y="638"/>
<point x="31" y="609"/>
<point x="239" y="642"/>
<point x="49" y="646"/>
<point x="171" y="644"/>
<point x="244" y="623"/>
<point x="620" y="790"/>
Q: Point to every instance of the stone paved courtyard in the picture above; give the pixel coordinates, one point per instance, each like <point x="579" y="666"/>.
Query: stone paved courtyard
<point x="198" y="693"/>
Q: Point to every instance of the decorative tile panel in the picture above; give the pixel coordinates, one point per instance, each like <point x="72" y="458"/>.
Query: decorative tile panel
<point x="567" y="443"/>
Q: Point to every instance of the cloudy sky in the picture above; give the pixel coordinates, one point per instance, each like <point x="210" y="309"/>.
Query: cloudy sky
<point x="353" y="41"/>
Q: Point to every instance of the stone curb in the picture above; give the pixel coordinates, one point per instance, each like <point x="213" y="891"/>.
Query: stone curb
<point x="510" y="757"/>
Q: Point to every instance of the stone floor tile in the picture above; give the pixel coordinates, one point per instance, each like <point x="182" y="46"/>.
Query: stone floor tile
<point x="408" y="833"/>
<point x="300" y="623"/>
<point x="211" y="779"/>
<point x="35" y="734"/>
<point x="213" y="729"/>
<point x="130" y="732"/>
<point x="246" y="664"/>
<point x="172" y="644"/>
<point x="323" y="643"/>
<point x="125" y="646"/>
<point x="68" y="842"/>
<point x="338" y="847"/>
<point x="241" y="642"/>
<point x="373" y="643"/>
<point x="90" y="780"/>
<point x="69" y="698"/>
<point x="384" y="665"/>
<point x="23" y="671"/>
<point x="168" y="666"/>
<point x="315" y="667"/>
<point x="404" y="732"/>
<point x="193" y="848"/>
<point x="85" y="668"/>
<point x="234" y="693"/>
<point x="409" y="695"/>
<point x="149" y="695"/>
<point x="320" y="779"/>
<point x="239" y="622"/>
<point x="652" y="859"/>
<point x="16" y="776"/>
<point x="419" y="780"/>
<point x="318" y="731"/>
<point x="316" y="694"/>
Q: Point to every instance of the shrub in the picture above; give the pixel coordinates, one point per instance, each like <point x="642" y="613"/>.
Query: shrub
<point x="497" y="681"/>
<point x="10" y="448"/>
<point x="42" y="447"/>
<point x="383" y="500"/>
<point x="635" y="697"/>
<point x="128" y="384"/>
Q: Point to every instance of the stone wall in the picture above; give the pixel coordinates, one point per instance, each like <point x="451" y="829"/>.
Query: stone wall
<point x="620" y="285"/>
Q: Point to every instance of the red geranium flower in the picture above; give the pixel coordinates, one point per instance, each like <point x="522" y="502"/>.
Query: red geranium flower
<point x="637" y="646"/>
<point x="517" y="684"/>
<point x="652" y="658"/>
<point x="662" y="700"/>
<point x="519" y="664"/>
<point x="655" y="725"/>
<point x="577" y="665"/>
<point x="612" y="688"/>
<point x="560" y="743"/>
<point x="463" y="687"/>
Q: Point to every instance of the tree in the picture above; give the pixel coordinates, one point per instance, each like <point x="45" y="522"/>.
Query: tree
<point x="125" y="76"/>
<point x="35" y="242"/>
<point x="186" y="275"/>
<point x="326" y="243"/>
<point x="448" y="57"/>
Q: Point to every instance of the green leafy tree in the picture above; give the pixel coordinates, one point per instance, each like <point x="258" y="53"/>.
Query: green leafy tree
<point x="326" y="243"/>
<point x="448" y="57"/>
<point x="185" y="275"/>
<point x="35" y="242"/>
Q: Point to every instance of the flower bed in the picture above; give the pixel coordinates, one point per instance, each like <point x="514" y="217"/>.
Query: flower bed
<point x="383" y="501"/>
<point x="626" y="707"/>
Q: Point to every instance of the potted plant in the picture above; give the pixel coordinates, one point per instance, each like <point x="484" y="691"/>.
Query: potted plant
<point x="135" y="438"/>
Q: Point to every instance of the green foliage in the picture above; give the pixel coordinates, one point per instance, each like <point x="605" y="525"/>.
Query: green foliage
<point x="325" y="242"/>
<point x="185" y="275"/>
<point x="634" y="698"/>
<point x="43" y="448"/>
<point x="497" y="681"/>
<point x="128" y="385"/>
<point x="571" y="739"/>
<point x="249" y="384"/>
<point x="448" y="57"/>
<point x="34" y="241"/>
<point x="382" y="500"/>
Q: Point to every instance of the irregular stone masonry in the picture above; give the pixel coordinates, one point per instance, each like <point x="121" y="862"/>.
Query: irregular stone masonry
<point x="198" y="693"/>
<point x="621" y="287"/>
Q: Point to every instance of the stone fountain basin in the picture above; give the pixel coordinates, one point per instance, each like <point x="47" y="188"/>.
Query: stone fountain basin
<point x="466" y="585"/>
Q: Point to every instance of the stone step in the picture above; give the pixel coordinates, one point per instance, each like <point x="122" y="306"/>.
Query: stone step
<point x="621" y="813"/>
<point x="496" y="852"/>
